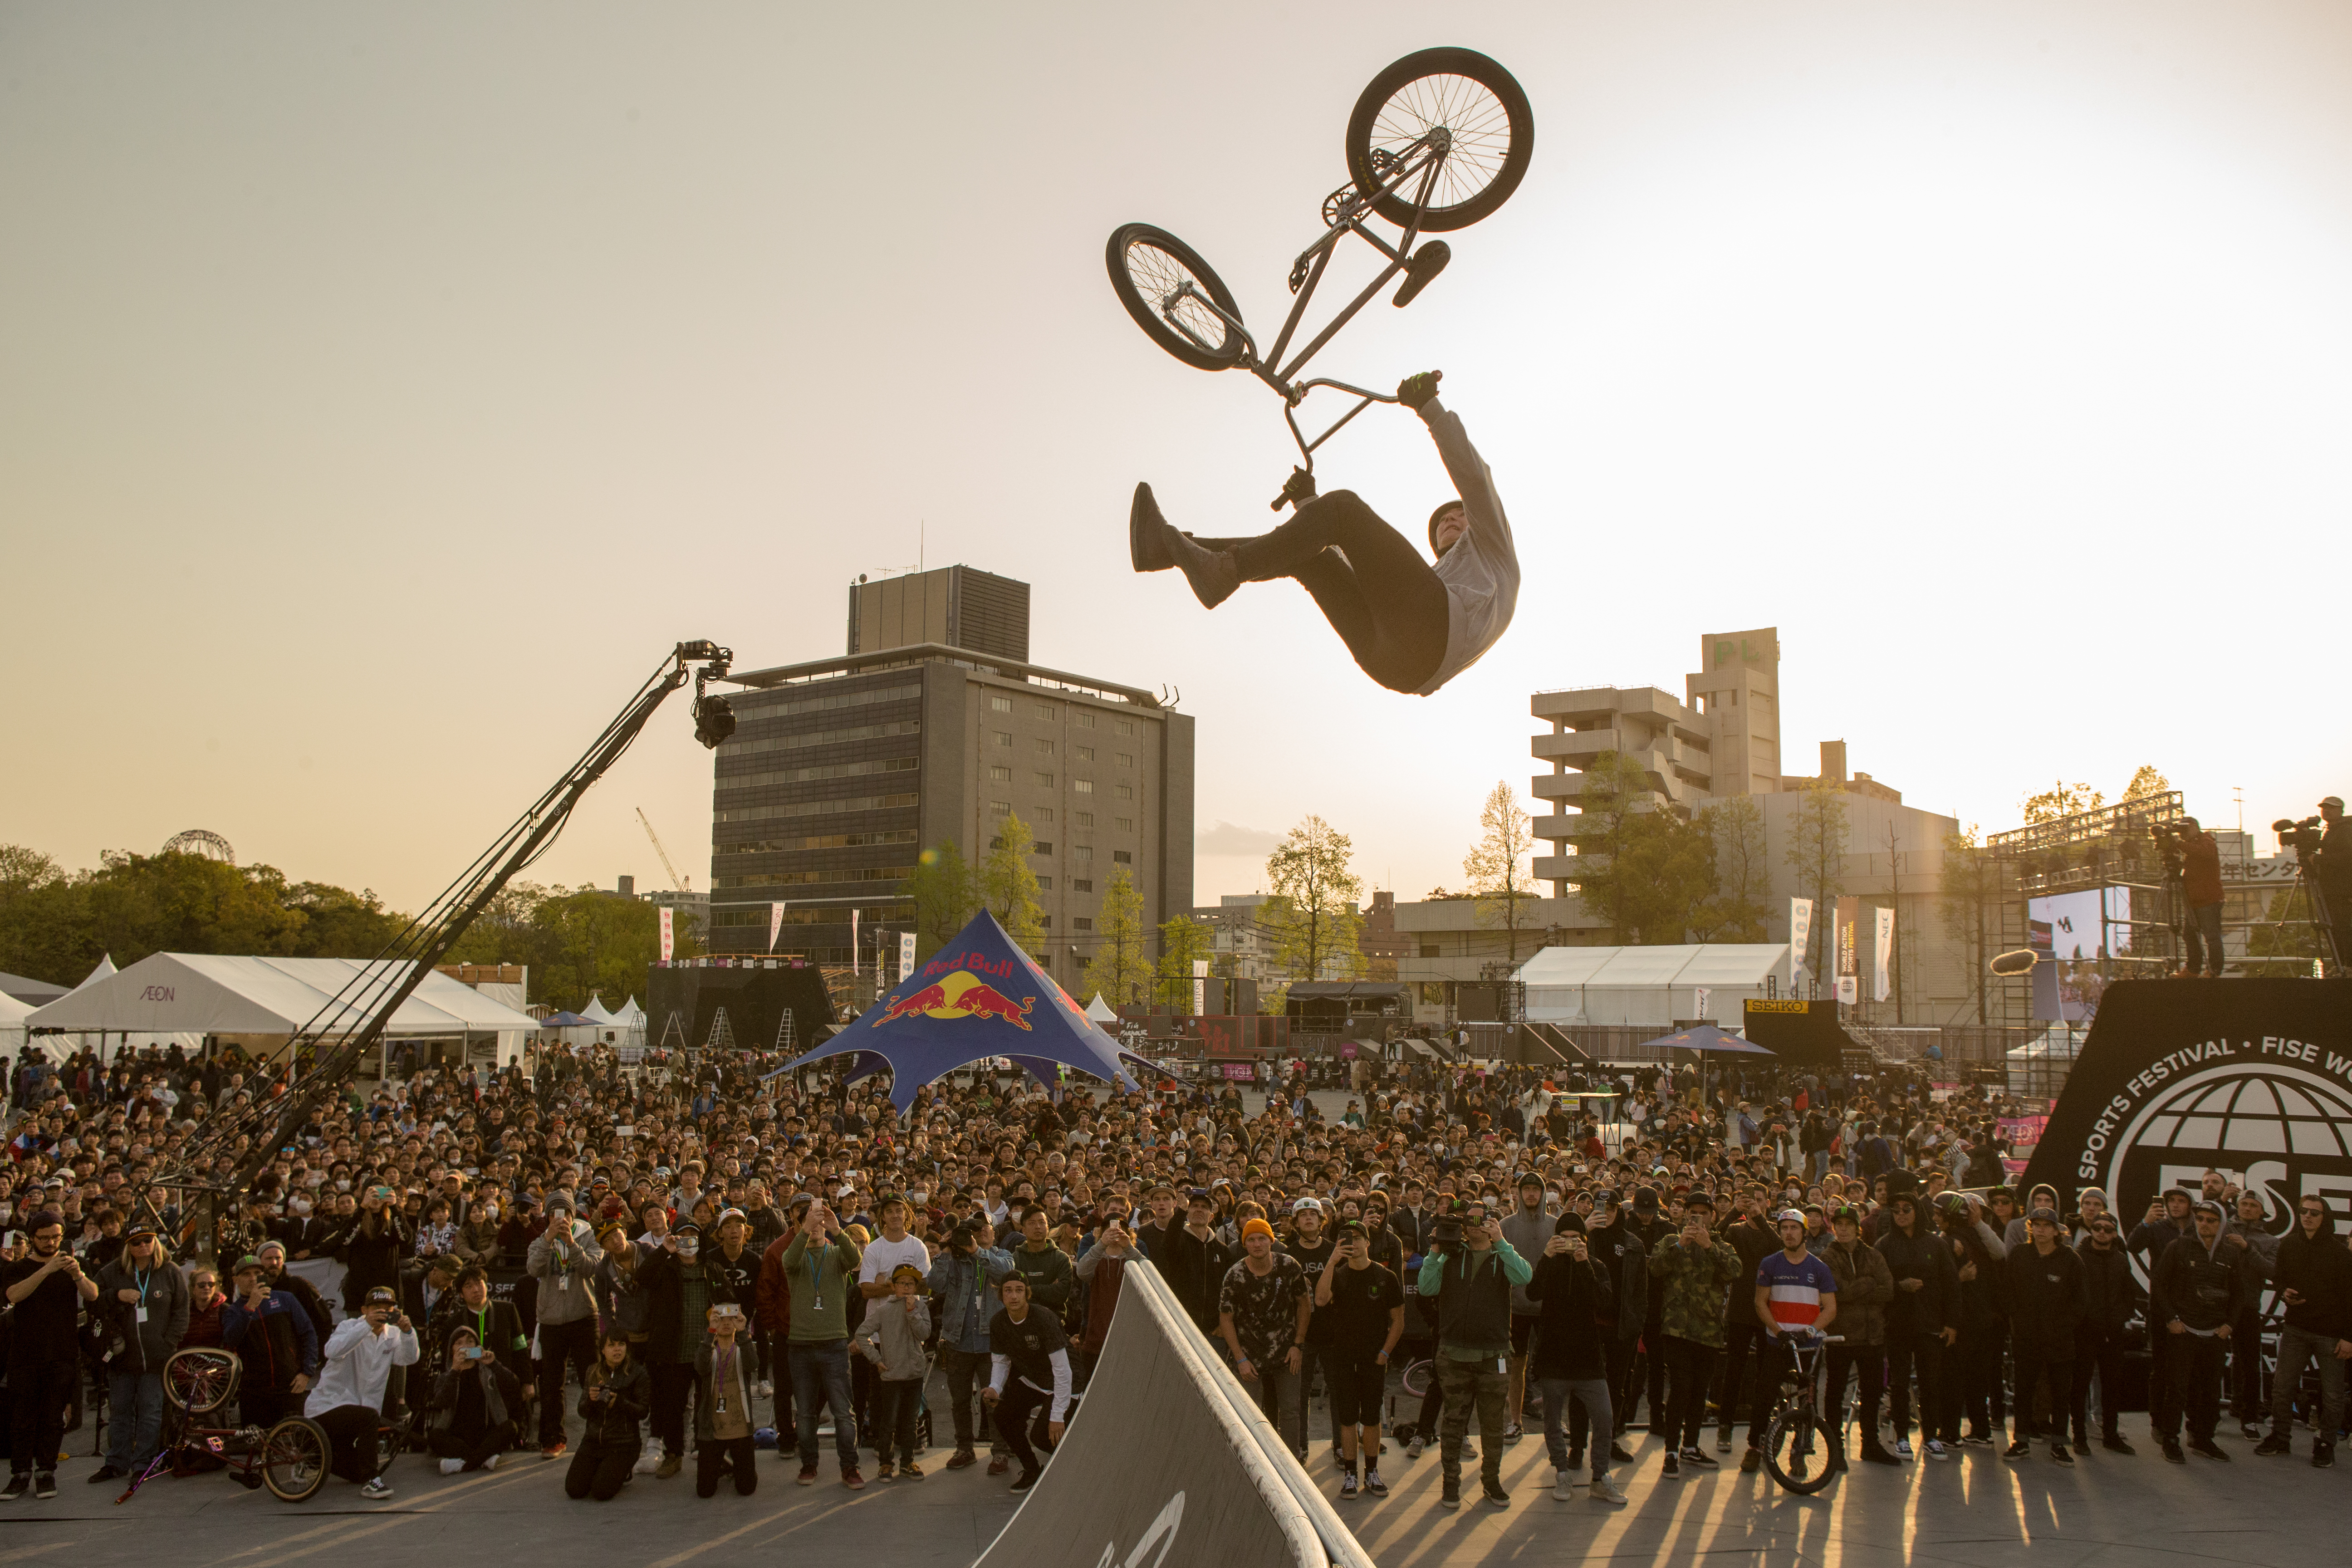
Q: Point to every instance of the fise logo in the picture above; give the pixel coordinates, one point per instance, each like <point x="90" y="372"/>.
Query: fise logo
<point x="2276" y="1130"/>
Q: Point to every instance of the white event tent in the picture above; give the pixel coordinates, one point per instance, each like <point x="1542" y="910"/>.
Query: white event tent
<point x="194" y="995"/>
<point x="1653" y="987"/>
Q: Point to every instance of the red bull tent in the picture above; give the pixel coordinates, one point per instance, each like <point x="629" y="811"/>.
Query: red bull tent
<point x="978" y="997"/>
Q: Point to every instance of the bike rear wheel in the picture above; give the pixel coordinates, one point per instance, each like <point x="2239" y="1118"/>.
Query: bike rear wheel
<point x="1417" y="1377"/>
<point x="295" y="1455"/>
<point x="1148" y="267"/>
<point x="1793" y="1449"/>
<point x="1486" y="114"/>
<point x="200" y="1379"/>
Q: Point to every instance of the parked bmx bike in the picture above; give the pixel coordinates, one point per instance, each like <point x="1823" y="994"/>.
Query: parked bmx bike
<point x="290" y="1458"/>
<point x="1438" y="141"/>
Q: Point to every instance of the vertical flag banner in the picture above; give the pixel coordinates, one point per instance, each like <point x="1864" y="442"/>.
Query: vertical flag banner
<point x="1842" y="935"/>
<point x="1200" y="986"/>
<point x="1800" y="927"/>
<point x="853" y="944"/>
<point x="775" y="924"/>
<point x="1881" y="986"/>
<point x="906" y="956"/>
<point x="1701" y="999"/>
<point x="668" y="933"/>
<point x="1849" y="990"/>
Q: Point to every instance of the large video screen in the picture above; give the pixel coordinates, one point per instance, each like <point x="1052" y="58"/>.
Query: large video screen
<point x="2073" y="933"/>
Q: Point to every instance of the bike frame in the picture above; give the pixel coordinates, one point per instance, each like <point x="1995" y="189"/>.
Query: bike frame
<point x="1422" y="159"/>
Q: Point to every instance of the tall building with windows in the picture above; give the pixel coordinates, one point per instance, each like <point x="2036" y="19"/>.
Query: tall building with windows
<point x="843" y="771"/>
<point x="1720" y="737"/>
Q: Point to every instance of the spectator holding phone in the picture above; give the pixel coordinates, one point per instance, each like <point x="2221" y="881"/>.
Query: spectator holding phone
<point x="475" y="1404"/>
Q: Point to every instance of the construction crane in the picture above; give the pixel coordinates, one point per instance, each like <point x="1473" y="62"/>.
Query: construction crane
<point x="676" y="880"/>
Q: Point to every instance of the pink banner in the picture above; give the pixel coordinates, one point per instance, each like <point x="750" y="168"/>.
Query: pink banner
<point x="668" y="936"/>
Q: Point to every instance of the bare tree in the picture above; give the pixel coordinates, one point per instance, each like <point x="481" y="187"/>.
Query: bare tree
<point x="1497" y="868"/>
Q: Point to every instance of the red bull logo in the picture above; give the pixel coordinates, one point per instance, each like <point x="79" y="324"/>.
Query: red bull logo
<point x="962" y="994"/>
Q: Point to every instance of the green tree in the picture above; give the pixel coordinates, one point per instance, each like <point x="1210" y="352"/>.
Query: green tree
<point x="1312" y="920"/>
<point x="579" y="942"/>
<point x="2061" y="799"/>
<point x="2146" y="782"/>
<point x="1496" y="867"/>
<point x="1008" y="886"/>
<point x="1815" y="854"/>
<point x="1117" y="972"/>
<point x="1182" y="941"/>
<point x="1639" y="864"/>
<point x="56" y="927"/>
<point x="1743" y="881"/>
<point x="1669" y="865"/>
<point x="944" y="895"/>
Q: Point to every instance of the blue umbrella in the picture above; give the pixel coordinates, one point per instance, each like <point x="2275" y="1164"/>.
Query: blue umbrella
<point x="1707" y="1038"/>
<point x="978" y="997"/>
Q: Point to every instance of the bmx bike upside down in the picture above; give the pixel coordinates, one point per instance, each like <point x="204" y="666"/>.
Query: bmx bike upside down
<point x="1437" y="141"/>
<point x="292" y="1457"/>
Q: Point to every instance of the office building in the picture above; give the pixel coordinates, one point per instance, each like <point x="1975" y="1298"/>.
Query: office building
<point x="957" y="606"/>
<point x="841" y="772"/>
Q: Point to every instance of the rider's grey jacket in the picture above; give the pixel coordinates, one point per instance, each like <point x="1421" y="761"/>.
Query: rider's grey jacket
<point x="1481" y="572"/>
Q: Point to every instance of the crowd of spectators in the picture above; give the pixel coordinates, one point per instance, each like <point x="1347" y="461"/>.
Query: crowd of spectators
<point x="626" y="1265"/>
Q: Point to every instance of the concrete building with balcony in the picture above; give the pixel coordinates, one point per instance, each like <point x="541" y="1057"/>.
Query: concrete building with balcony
<point x="1720" y="740"/>
<point x="1720" y="737"/>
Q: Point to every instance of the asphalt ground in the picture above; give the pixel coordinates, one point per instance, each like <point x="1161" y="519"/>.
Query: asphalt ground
<point x="1974" y="1508"/>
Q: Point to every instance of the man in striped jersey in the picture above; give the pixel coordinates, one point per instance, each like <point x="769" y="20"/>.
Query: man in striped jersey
<point x="1795" y="1293"/>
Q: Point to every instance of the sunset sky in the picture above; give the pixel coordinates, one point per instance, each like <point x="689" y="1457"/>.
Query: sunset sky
<point x="383" y="391"/>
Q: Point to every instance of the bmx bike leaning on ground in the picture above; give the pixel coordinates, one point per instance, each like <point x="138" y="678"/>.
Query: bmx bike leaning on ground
<point x="291" y="1458"/>
<point x="1438" y="141"/>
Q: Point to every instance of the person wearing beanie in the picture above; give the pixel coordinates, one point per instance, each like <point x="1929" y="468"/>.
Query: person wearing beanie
<point x="1411" y="625"/>
<point x="1263" y="1310"/>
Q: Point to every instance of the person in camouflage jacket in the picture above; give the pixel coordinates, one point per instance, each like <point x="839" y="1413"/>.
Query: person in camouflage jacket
<point x="1696" y="1270"/>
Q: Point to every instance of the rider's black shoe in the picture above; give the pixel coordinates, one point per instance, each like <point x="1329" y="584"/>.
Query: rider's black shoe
<point x="1213" y="574"/>
<point x="1146" y="543"/>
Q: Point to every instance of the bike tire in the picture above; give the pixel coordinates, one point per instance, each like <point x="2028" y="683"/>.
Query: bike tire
<point x="1794" y="1451"/>
<point x="1415" y="1379"/>
<point x="295" y="1457"/>
<point x="1494" y="127"/>
<point x="1145" y="264"/>
<point x="200" y="1379"/>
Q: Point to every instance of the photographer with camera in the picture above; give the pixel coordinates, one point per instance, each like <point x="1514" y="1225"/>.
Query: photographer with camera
<point x="2335" y="872"/>
<point x="2201" y="882"/>
<point x="1469" y="1272"/>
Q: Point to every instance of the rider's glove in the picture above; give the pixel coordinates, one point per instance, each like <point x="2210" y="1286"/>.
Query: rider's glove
<point x="1415" y="390"/>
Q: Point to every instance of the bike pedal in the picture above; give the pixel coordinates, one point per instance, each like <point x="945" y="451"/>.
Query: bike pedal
<point x="1422" y="270"/>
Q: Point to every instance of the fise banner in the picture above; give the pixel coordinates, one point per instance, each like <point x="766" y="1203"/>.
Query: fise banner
<point x="2250" y="1078"/>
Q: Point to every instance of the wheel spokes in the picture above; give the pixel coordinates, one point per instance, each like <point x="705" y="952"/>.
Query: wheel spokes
<point x="1477" y="124"/>
<point x="1160" y="279"/>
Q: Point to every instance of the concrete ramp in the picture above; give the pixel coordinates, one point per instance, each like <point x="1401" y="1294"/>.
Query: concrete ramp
<point x="1169" y="1464"/>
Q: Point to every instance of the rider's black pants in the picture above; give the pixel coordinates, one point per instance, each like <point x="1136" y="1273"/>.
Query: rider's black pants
<point x="1379" y="594"/>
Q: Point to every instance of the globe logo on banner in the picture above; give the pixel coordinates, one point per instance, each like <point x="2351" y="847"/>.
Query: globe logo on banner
<point x="2277" y="1131"/>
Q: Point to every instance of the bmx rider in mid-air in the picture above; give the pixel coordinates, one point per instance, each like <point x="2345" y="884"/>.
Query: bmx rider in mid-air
<point x="1411" y="625"/>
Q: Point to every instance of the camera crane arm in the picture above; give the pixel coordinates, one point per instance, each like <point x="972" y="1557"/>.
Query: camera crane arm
<point x="358" y="1013"/>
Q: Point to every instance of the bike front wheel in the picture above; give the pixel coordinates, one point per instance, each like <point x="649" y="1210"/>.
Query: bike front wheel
<point x="1793" y="1448"/>
<point x="295" y="1455"/>
<point x="1489" y="131"/>
<point x="1160" y="279"/>
<point x="1417" y="1377"/>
